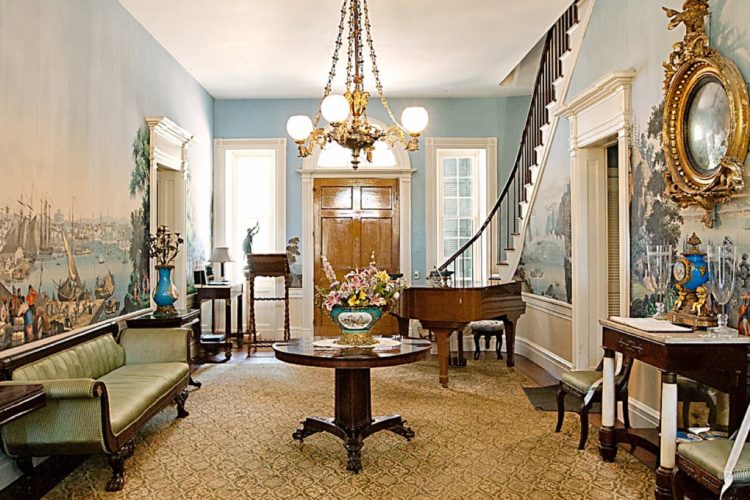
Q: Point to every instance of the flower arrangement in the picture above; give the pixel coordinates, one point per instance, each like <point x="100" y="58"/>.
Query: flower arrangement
<point x="164" y="246"/>
<point x="368" y="287"/>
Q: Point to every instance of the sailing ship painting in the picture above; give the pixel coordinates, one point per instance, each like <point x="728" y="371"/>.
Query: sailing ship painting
<point x="61" y="270"/>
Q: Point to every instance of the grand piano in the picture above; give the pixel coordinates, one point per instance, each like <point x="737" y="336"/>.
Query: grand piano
<point x="444" y="310"/>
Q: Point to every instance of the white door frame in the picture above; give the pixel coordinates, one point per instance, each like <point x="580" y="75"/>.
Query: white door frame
<point x="596" y="114"/>
<point x="432" y="145"/>
<point x="168" y="145"/>
<point x="309" y="172"/>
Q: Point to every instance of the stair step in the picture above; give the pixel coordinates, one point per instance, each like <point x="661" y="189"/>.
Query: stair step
<point x="503" y="263"/>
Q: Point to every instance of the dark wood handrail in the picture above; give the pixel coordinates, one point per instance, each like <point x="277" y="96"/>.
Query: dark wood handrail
<point x="555" y="45"/>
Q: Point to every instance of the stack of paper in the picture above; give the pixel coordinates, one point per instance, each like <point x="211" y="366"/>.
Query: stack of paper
<point x="651" y="325"/>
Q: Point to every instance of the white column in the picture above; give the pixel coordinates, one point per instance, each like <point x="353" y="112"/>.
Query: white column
<point x="608" y="390"/>
<point x="668" y="444"/>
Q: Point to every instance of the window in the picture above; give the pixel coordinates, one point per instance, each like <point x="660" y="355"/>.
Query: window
<point x="251" y="190"/>
<point x="461" y="208"/>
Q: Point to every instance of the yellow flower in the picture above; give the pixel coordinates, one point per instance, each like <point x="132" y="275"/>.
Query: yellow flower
<point x="362" y="295"/>
<point x="383" y="276"/>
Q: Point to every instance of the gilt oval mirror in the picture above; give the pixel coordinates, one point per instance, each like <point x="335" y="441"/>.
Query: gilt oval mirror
<point x="708" y="123"/>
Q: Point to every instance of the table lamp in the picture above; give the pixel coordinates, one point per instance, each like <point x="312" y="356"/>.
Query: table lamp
<point x="221" y="255"/>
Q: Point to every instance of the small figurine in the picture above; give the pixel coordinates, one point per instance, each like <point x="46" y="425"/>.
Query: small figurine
<point x="247" y="244"/>
<point x="743" y="320"/>
<point x="702" y="294"/>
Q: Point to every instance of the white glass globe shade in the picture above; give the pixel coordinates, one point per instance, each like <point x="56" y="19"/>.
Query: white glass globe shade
<point x="335" y="108"/>
<point x="415" y="119"/>
<point x="299" y="127"/>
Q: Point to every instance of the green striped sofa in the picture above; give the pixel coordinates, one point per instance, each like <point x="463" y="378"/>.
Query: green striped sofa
<point x="99" y="394"/>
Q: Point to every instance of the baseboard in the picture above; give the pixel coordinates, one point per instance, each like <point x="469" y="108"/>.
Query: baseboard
<point x="551" y="362"/>
<point x="642" y="415"/>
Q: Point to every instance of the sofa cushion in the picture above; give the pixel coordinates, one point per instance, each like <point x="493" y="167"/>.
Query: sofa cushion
<point x="581" y="380"/>
<point x="134" y="388"/>
<point x="91" y="359"/>
<point x="712" y="456"/>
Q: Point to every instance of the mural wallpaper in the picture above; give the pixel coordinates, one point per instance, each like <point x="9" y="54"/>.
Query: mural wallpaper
<point x="655" y="220"/>
<point x="66" y="261"/>
<point x="545" y="265"/>
<point x="77" y="80"/>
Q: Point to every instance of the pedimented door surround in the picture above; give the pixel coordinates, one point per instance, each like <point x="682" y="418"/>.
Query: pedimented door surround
<point x="600" y="112"/>
<point x="311" y="171"/>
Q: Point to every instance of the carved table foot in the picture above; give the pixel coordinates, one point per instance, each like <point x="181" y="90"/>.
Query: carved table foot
<point x="303" y="432"/>
<point x="403" y="430"/>
<point x="354" y="451"/>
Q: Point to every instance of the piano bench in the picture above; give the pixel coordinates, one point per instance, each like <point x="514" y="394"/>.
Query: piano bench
<point x="488" y="329"/>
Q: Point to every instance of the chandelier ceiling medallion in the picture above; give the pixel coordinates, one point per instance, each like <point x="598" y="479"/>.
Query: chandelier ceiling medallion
<point x="347" y="114"/>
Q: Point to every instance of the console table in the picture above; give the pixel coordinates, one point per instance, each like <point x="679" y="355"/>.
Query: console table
<point x="714" y="361"/>
<point x="271" y="265"/>
<point x="18" y="400"/>
<point x="226" y="292"/>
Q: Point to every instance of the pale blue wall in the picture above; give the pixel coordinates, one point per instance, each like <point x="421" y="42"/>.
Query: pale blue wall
<point x="487" y="117"/>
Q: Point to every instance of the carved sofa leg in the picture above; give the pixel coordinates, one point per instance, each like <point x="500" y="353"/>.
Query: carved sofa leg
<point x="180" y="400"/>
<point x="27" y="467"/>
<point x="117" y="464"/>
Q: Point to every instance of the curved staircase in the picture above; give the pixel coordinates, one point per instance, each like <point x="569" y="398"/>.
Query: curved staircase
<point x="501" y="236"/>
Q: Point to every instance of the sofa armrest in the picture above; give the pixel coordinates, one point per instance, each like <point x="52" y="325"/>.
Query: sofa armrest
<point x="66" y="388"/>
<point x="155" y="345"/>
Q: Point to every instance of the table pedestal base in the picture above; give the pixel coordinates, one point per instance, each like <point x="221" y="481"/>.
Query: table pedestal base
<point x="353" y="421"/>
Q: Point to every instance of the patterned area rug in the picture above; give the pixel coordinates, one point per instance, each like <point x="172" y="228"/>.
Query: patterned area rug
<point x="478" y="439"/>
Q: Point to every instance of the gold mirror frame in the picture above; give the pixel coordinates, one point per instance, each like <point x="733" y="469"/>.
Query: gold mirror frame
<point x="689" y="65"/>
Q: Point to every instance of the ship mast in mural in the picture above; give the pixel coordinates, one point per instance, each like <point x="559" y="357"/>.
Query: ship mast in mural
<point x="71" y="288"/>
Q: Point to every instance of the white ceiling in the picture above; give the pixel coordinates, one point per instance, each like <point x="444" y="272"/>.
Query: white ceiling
<point x="282" y="48"/>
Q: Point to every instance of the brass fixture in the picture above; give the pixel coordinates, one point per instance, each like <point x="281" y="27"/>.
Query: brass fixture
<point x="705" y="129"/>
<point x="347" y="113"/>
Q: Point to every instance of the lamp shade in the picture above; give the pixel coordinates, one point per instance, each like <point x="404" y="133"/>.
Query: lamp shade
<point x="415" y="119"/>
<point x="335" y="108"/>
<point x="221" y="254"/>
<point x="299" y="127"/>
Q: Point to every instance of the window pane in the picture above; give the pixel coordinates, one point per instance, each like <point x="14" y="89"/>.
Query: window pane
<point x="450" y="228"/>
<point x="464" y="187"/>
<point x="464" y="167"/>
<point x="449" y="167"/>
<point x="450" y="207"/>
<point x="465" y="227"/>
<point x="465" y="207"/>
<point x="450" y="245"/>
<point x="450" y="187"/>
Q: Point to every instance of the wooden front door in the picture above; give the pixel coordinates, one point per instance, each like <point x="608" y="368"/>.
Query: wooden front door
<point x="354" y="219"/>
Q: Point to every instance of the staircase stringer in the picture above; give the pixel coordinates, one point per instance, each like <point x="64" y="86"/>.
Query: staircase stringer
<point x="569" y="60"/>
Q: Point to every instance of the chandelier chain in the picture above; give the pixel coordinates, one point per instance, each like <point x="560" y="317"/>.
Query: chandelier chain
<point x="332" y="72"/>
<point x="350" y="56"/>
<point x="375" y="72"/>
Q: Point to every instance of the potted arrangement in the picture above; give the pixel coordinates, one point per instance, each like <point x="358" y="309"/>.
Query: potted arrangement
<point x="356" y="302"/>
<point x="164" y="246"/>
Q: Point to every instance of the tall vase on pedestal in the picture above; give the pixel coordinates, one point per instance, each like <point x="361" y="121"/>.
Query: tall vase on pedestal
<point x="165" y="293"/>
<point x="163" y="247"/>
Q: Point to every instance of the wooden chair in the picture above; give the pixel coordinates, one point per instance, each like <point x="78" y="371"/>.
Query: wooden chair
<point x="702" y="467"/>
<point x="580" y="383"/>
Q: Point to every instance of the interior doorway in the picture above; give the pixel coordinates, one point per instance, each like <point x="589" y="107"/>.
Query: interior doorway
<point x="355" y="218"/>
<point x="171" y="212"/>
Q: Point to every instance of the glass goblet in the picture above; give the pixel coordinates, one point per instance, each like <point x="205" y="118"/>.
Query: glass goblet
<point x="722" y="265"/>
<point x="659" y="260"/>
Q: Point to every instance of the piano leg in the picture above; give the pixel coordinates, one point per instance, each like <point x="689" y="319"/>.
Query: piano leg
<point x="443" y="346"/>
<point x="510" y="340"/>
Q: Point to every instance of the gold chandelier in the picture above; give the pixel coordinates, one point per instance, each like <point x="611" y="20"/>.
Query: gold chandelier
<point x="347" y="114"/>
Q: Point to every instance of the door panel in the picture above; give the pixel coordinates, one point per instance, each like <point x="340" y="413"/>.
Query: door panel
<point x="355" y="218"/>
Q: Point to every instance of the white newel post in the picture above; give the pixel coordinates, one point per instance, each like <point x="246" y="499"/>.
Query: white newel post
<point x="608" y="391"/>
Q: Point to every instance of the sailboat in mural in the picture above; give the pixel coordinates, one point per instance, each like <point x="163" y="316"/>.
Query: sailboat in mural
<point x="71" y="288"/>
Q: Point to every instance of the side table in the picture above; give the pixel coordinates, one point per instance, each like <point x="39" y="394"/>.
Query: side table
<point x="185" y="318"/>
<point x="221" y="291"/>
<point x="18" y="400"/>
<point x="272" y="265"/>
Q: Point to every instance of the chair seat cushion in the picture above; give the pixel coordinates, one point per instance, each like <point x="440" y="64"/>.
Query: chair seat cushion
<point x="712" y="456"/>
<point x="134" y="388"/>
<point x="487" y="325"/>
<point x="581" y="380"/>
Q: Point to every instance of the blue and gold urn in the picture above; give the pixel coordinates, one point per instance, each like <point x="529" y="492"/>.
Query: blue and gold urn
<point x="165" y="293"/>
<point x="692" y="307"/>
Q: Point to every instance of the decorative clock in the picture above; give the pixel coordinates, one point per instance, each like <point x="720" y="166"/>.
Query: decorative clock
<point x="692" y="307"/>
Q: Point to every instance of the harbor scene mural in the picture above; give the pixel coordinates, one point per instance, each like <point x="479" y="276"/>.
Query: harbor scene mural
<point x="545" y="265"/>
<point x="66" y="260"/>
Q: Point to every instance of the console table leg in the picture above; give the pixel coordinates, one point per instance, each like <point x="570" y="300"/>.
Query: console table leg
<point x="667" y="440"/>
<point x="607" y="435"/>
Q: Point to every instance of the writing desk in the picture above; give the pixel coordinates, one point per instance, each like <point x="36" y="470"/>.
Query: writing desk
<point x="719" y="362"/>
<point x="226" y="292"/>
